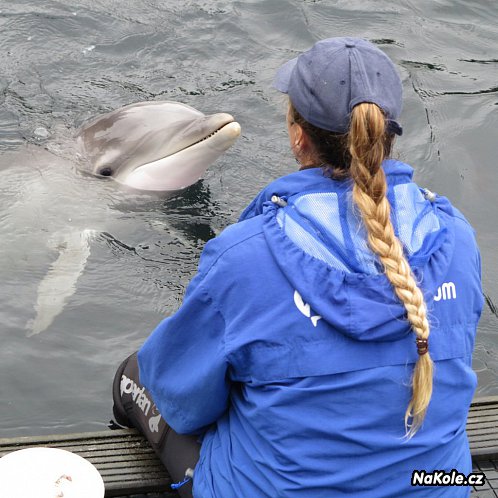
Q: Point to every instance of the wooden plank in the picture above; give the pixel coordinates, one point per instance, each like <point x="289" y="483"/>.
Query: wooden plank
<point x="484" y="434"/>
<point x="487" y="417"/>
<point x="482" y="428"/>
<point x="484" y="400"/>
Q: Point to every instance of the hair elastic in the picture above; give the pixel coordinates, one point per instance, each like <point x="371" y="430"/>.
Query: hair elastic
<point x="422" y="346"/>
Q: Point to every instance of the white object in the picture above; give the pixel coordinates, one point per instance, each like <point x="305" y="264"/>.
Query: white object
<point x="48" y="473"/>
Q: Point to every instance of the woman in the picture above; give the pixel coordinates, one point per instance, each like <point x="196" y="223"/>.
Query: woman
<point x="324" y="347"/>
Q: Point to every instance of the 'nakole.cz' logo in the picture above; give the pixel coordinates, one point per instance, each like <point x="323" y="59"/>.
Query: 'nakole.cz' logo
<point x="443" y="478"/>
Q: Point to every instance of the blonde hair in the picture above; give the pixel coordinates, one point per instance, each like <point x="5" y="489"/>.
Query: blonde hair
<point x="366" y="143"/>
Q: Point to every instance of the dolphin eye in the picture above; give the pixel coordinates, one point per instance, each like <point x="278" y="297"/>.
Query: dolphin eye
<point x="106" y="171"/>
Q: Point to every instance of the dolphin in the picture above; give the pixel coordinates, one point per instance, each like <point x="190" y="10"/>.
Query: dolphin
<point x="149" y="146"/>
<point x="155" y="146"/>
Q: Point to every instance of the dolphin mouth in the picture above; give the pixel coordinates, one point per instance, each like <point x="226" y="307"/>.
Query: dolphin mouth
<point x="210" y="135"/>
<point x="230" y="128"/>
<point x="220" y="139"/>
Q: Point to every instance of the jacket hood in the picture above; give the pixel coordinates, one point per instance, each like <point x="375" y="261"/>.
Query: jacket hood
<point x="318" y="240"/>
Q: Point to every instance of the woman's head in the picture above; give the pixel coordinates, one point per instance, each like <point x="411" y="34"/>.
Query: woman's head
<point x="346" y="97"/>
<point x="324" y="85"/>
<point x="313" y="146"/>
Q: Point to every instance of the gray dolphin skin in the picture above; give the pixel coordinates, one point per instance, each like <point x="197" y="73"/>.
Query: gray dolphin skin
<point x="156" y="146"/>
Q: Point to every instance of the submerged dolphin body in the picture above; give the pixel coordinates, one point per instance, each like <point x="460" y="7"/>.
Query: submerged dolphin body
<point x="158" y="146"/>
<point x="59" y="284"/>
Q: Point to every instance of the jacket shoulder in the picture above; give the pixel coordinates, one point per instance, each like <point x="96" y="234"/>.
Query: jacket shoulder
<point x="236" y="241"/>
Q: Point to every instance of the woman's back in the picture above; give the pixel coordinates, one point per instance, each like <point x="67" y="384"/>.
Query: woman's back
<point x="320" y="359"/>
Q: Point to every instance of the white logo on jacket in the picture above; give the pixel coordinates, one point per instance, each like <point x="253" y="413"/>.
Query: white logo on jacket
<point x="305" y="308"/>
<point x="445" y="292"/>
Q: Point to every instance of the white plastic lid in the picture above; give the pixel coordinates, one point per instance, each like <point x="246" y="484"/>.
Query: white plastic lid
<point x="48" y="473"/>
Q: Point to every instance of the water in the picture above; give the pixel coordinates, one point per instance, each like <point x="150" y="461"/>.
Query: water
<point x="64" y="62"/>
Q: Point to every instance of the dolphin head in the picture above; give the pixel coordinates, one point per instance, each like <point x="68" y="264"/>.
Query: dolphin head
<point x="157" y="146"/>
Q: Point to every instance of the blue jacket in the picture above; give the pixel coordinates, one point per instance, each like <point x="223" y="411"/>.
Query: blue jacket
<point x="292" y="357"/>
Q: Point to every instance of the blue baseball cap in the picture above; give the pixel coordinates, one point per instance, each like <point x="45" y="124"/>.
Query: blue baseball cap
<point x="327" y="81"/>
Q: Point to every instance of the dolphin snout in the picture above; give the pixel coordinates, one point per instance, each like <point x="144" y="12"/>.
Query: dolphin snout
<point x="224" y="116"/>
<point x="225" y="137"/>
<point x="216" y="121"/>
<point x="232" y="129"/>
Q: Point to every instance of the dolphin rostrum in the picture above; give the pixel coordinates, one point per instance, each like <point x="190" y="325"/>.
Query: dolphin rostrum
<point x="157" y="146"/>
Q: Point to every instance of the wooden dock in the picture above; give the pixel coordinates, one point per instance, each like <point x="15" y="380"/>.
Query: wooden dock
<point x="482" y="429"/>
<point x="130" y="467"/>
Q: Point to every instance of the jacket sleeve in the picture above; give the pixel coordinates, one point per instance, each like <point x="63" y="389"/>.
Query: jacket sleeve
<point x="183" y="362"/>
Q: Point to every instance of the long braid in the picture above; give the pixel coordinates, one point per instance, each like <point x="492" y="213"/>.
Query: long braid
<point x="367" y="149"/>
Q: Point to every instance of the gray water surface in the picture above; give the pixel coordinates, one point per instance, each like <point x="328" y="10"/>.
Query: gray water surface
<point x="63" y="62"/>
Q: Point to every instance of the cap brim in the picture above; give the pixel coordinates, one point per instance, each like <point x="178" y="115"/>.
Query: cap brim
<point x="394" y="127"/>
<point x="283" y="76"/>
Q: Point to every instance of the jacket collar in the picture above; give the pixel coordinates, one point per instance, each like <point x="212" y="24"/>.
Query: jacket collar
<point x="302" y="181"/>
